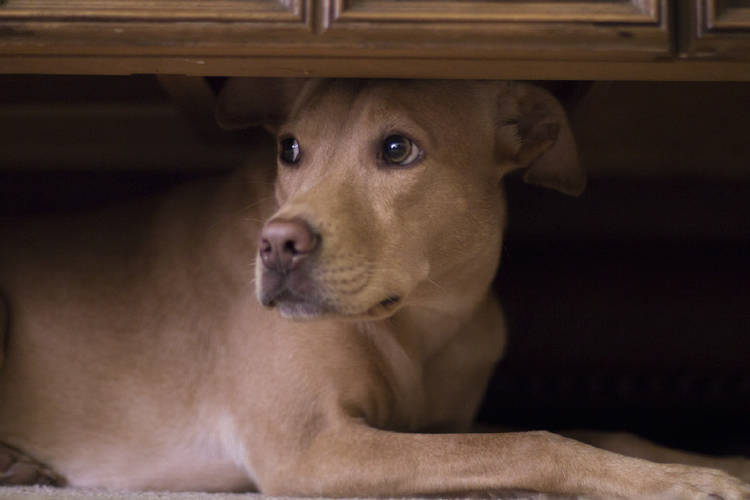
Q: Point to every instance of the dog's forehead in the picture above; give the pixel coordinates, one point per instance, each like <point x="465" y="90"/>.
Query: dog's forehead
<point x="324" y="96"/>
<point x="342" y="99"/>
<point x="339" y="117"/>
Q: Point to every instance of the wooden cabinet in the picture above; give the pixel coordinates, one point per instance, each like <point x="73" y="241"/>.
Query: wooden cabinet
<point x="521" y="39"/>
<point x="502" y="29"/>
<point x="719" y="29"/>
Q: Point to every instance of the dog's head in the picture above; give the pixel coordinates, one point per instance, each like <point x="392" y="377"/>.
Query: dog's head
<point x="389" y="191"/>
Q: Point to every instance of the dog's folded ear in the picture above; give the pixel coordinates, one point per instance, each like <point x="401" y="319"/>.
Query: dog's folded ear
<point x="246" y="102"/>
<point x="546" y="147"/>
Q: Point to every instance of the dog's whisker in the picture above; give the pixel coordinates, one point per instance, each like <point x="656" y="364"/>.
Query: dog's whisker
<point x="259" y="201"/>
<point x="227" y="216"/>
<point x="437" y="285"/>
<point x="254" y="219"/>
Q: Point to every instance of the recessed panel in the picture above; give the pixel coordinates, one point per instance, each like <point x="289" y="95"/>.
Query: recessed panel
<point x="504" y="29"/>
<point x="157" y="10"/>
<point x="620" y="11"/>
<point x="728" y="15"/>
<point x="720" y="29"/>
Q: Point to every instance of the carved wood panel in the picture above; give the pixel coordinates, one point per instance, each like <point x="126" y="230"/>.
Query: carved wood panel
<point x="147" y="28"/>
<point x="552" y="30"/>
<point x="719" y="29"/>
<point x="154" y="11"/>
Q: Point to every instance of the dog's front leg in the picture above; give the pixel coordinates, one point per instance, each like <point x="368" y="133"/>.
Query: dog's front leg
<point x="356" y="460"/>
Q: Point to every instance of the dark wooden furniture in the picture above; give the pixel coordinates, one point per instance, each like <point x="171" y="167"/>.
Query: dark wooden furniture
<point x="532" y="39"/>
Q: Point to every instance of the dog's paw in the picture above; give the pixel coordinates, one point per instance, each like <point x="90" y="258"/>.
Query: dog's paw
<point x="688" y="482"/>
<point x="17" y="469"/>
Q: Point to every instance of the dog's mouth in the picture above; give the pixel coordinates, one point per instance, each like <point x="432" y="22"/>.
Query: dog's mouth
<point x="295" y="305"/>
<point x="296" y="296"/>
<point x="385" y="307"/>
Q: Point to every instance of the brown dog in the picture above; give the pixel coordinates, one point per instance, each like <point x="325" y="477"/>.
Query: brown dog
<point x="137" y="356"/>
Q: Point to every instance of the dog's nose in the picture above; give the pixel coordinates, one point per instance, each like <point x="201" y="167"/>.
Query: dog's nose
<point x="285" y="243"/>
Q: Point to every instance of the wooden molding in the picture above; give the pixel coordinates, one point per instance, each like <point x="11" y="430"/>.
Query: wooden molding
<point x="383" y="67"/>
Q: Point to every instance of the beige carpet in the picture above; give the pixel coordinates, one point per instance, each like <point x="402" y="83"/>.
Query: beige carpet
<point x="45" y="493"/>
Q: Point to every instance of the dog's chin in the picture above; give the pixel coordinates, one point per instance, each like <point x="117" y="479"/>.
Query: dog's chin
<point x="300" y="309"/>
<point x="295" y="307"/>
<point x="303" y="311"/>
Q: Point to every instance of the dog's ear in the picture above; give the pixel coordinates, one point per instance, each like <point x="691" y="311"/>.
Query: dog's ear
<point x="245" y="102"/>
<point x="545" y="146"/>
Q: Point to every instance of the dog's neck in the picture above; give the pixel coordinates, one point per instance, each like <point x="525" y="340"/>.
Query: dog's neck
<point x="424" y="328"/>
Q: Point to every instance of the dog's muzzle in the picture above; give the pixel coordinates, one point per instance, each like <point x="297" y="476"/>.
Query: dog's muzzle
<point x="289" y="279"/>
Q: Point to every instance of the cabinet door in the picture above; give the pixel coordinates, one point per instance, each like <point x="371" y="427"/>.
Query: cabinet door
<point x="190" y="28"/>
<point x="720" y="29"/>
<point x="507" y="29"/>
<point x="154" y="11"/>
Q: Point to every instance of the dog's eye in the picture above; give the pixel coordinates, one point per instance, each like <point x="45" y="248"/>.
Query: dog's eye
<point x="289" y="150"/>
<point x="400" y="150"/>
